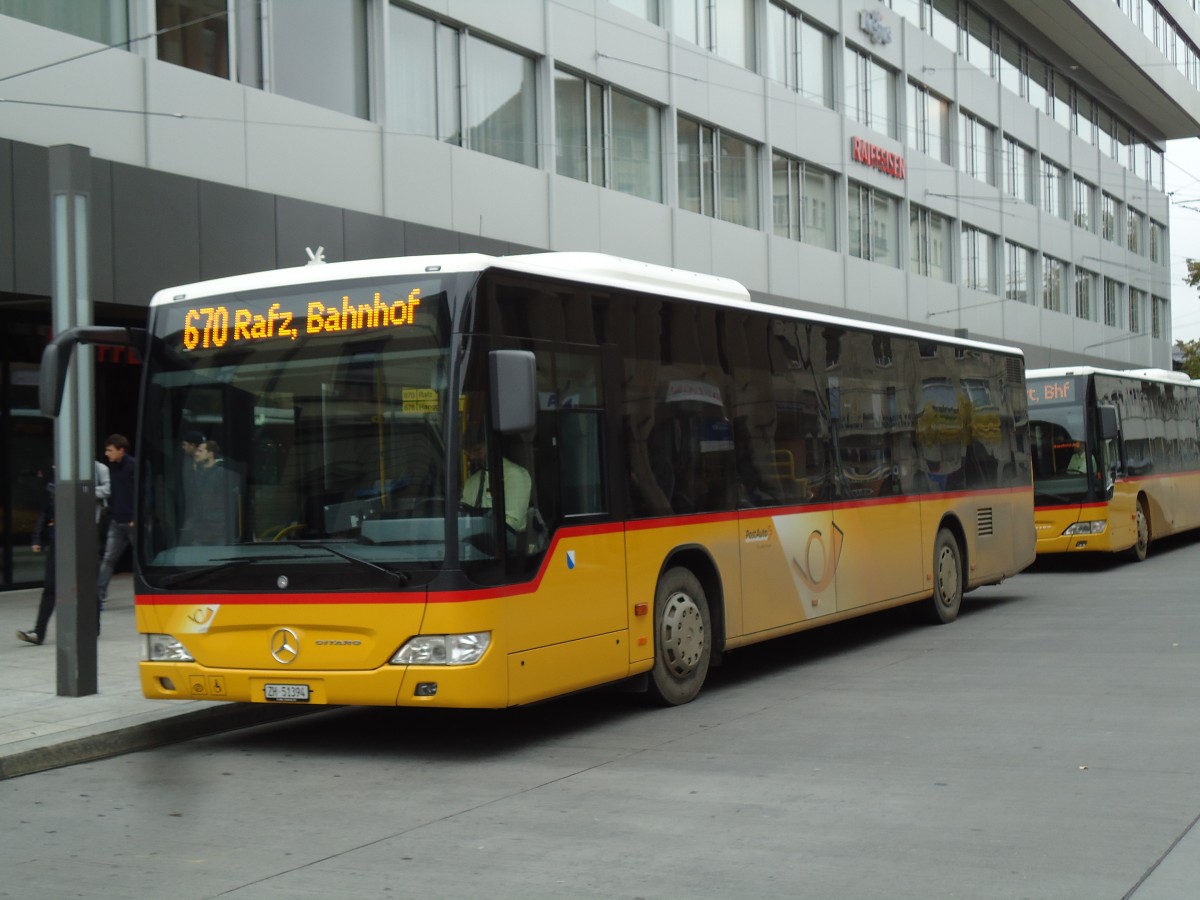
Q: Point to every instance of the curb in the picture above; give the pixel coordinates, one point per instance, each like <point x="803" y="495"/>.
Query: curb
<point x="147" y="735"/>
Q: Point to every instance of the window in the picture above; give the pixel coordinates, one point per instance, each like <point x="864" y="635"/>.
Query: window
<point x="1018" y="171"/>
<point x="1054" y="283"/>
<point x="500" y="114"/>
<point x="803" y="201"/>
<point x="942" y="22"/>
<point x="978" y="40"/>
<point x="718" y="173"/>
<point x="1158" y="243"/>
<point x="319" y="53"/>
<point x="726" y="27"/>
<point x="978" y="253"/>
<point x="929" y="243"/>
<point x="1085" y="205"/>
<point x="1112" y="302"/>
<point x="102" y="21"/>
<point x="1110" y="213"/>
<point x="423" y="96"/>
<point x="643" y="9"/>
<point x="1085" y="288"/>
<point x="1136" y="298"/>
<point x="636" y="150"/>
<point x="929" y="123"/>
<point x="1135" y="232"/>
<point x="194" y="34"/>
<point x="497" y="112"/>
<point x="1106" y="132"/>
<point x="1085" y="116"/>
<point x="1054" y="187"/>
<point x="606" y="137"/>
<point x="1158" y="315"/>
<point x="1060" y="100"/>
<point x="800" y="55"/>
<point x="1018" y="273"/>
<point x="976" y="147"/>
<point x="874" y="224"/>
<point x="870" y="92"/>
<point x="1037" y="84"/>
<point x="1012" y="67"/>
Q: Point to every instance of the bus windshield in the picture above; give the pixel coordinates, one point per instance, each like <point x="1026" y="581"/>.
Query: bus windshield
<point x="299" y="428"/>
<point x="1062" y="456"/>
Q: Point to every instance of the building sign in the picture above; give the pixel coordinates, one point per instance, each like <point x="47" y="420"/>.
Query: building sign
<point x="877" y="158"/>
<point x="871" y="21"/>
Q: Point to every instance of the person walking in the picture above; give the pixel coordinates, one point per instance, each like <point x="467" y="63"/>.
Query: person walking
<point x="121" y="468"/>
<point x="43" y="542"/>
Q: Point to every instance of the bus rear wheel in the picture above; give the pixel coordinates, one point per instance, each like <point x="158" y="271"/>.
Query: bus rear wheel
<point x="943" y="606"/>
<point x="1141" y="547"/>
<point x="682" y="638"/>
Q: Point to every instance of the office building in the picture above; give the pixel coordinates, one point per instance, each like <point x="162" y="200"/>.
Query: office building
<point x="995" y="168"/>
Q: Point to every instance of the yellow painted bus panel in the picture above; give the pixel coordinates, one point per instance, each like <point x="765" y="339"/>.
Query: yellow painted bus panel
<point x="581" y="593"/>
<point x="561" y="668"/>
<point x="882" y="555"/>
<point x="788" y="567"/>
<point x="327" y="636"/>
<point x="646" y="549"/>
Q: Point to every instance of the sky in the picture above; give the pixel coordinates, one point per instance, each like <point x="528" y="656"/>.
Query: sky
<point x="1182" y="180"/>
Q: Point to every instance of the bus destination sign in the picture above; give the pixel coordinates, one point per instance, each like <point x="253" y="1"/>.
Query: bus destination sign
<point x="206" y="327"/>
<point x="1051" y="390"/>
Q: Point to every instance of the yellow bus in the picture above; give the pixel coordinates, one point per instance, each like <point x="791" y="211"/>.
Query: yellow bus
<point x="1116" y="462"/>
<point x="473" y="481"/>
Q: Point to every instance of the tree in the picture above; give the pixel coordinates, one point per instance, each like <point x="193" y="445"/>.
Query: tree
<point x="1190" y="350"/>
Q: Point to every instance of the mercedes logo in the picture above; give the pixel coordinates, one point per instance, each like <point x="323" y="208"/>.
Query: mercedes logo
<point x="285" y="646"/>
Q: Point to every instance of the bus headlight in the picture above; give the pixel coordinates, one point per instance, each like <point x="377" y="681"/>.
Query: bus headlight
<point x="1096" y="527"/>
<point x="164" y="648"/>
<point x="443" y="649"/>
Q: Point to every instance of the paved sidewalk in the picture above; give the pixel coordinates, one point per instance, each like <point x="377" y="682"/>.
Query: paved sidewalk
<point x="40" y="730"/>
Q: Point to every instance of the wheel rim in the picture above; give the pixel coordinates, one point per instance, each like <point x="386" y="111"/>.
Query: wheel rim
<point x="948" y="577"/>
<point x="1143" y="531"/>
<point x="682" y="633"/>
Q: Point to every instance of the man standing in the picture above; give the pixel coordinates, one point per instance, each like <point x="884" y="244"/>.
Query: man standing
<point x="121" y="466"/>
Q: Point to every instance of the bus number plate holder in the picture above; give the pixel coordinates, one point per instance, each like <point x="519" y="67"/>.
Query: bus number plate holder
<point x="287" y="693"/>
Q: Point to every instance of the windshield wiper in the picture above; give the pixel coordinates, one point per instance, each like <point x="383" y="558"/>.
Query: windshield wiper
<point x="401" y="578"/>
<point x="223" y="564"/>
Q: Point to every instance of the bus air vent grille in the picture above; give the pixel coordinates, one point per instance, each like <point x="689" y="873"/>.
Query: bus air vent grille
<point x="983" y="521"/>
<point x="1015" y="370"/>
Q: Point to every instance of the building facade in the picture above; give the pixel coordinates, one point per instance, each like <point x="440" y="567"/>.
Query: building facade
<point x="991" y="167"/>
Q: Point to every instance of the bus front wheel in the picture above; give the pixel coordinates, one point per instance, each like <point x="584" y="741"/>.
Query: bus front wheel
<point x="682" y="638"/>
<point x="1141" y="547"/>
<point x="946" y="601"/>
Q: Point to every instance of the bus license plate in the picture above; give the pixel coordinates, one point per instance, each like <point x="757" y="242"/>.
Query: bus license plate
<point x="289" y="693"/>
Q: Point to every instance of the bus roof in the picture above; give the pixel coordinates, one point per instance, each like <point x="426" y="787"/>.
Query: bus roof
<point x="590" y="268"/>
<point x="1166" y="376"/>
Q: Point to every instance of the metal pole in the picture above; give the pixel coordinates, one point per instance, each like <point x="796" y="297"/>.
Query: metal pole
<point x="75" y="502"/>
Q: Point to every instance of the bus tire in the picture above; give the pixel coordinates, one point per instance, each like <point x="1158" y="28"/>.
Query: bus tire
<point x="942" y="608"/>
<point x="1141" y="546"/>
<point x="682" y="638"/>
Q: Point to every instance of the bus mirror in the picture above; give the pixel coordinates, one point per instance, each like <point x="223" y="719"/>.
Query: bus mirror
<point x="56" y="358"/>
<point x="1108" y="422"/>
<point x="514" y="390"/>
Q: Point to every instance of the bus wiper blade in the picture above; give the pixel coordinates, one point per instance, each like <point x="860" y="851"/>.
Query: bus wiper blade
<point x="401" y="578"/>
<point x="223" y="564"/>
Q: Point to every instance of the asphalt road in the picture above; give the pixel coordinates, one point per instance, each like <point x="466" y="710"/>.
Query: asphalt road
<point x="1043" y="746"/>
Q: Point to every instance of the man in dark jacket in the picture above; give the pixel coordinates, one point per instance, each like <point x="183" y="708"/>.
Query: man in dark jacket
<point x="43" y="542"/>
<point x="121" y="467"/>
